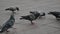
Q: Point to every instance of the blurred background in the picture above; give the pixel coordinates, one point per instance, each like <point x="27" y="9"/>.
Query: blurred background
<point x="45" y="25"/>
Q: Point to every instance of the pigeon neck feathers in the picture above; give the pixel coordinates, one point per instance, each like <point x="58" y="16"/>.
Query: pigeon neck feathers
<point x="12" y="16"/>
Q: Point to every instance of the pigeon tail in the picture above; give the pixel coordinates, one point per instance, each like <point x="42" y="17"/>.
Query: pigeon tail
<point x="6" y="9"/>
<point x="25" y="17"/>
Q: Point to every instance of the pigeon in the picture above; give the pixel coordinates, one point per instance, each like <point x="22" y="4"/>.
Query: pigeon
<point x="12" y="9"/>
<point x="36" y="12"/>
<point x="55" y="13"/>
<point x="8" y="24"/>
<point x="30" y="17"/>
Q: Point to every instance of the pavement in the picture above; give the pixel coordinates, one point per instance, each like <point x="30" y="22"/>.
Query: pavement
<point x="45" y="25"/>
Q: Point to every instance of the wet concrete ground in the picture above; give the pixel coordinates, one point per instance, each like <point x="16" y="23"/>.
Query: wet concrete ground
<point x="45" y="25"/>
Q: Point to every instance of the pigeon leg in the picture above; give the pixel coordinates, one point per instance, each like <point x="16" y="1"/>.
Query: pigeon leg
<point x="7" y="31"/>
<point x="39" y="17"/>
<point x="13" y="27"/>
<point x="32" y="22"/>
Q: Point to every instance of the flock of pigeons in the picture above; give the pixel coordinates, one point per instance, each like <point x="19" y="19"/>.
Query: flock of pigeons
<point x="32" y="16"/>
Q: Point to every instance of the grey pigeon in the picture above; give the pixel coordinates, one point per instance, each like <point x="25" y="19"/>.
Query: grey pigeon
<point x="36" y="12"/>
<point x="12" y="9"/>
<point x="30" y="17"/>
<point x="8" y="24"/>
<point x="55" y="13"/>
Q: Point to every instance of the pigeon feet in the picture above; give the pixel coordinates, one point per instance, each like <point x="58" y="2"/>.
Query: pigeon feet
<point x="14" y="28"/>
<point x="7" y="31"/>
<point x="32" y="23"/>
<point x="40" y="17"/>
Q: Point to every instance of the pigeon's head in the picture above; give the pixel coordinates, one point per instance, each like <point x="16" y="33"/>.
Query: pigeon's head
<point x="50" y="13"/>
<point x="17" y="8"/>
<point x="42" y="14"/>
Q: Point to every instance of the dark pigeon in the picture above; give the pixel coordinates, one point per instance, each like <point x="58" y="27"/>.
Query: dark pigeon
<point x="30" y="17"/>
<point x="55" y="13"/>
<point x="8" y="24"/>
<point x="36" y="12"/>
<point x="12" y="9"/>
